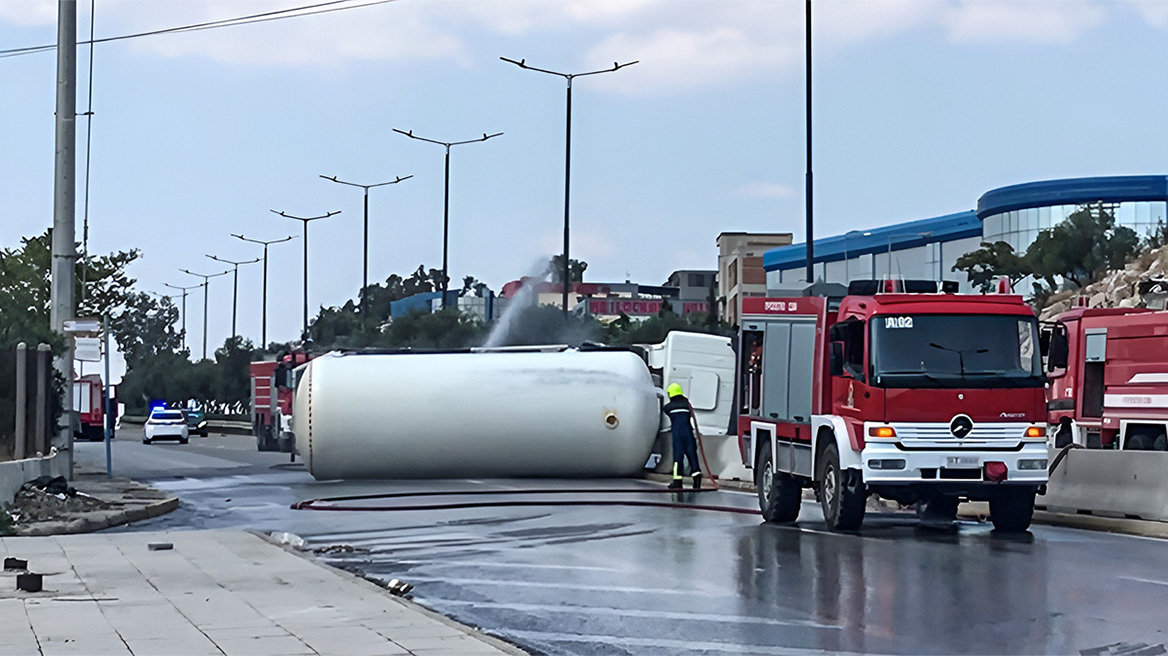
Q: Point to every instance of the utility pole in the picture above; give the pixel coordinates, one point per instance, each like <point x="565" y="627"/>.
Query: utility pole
<point x="305" y="220"/>
<point x="184" y="308"/>
<point x="365" y="251"/>
<point x="446" y="196"/>
<point x="810" y="222"/>
<point x="64" y="248"/>
<point x="234" y="286"/>
<point x="206" y="292"/>
<point x="265" y="244"/>
<point x="522" y="63"/>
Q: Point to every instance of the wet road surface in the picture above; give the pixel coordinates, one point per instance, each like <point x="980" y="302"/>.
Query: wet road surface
<point x="638" y="580"/>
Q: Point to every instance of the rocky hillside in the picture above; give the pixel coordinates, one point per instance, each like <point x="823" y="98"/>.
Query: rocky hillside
<point x="1116" y="289"/>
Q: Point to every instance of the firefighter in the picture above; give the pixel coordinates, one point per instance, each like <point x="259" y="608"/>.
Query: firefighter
<point x="684" y="443"/>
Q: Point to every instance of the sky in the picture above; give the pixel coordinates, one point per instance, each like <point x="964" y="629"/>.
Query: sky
<point x="920" y="106"/>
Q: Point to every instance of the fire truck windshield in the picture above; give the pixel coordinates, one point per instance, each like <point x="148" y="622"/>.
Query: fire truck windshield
<point x="944" y="350"/>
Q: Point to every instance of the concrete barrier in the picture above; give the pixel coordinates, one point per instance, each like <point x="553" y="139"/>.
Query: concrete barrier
<point x="724" y="459"/>
<point x="1130" y="484"/>
<point x="15" y="473"/>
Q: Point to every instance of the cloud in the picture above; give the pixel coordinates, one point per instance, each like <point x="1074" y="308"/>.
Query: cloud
<point x="27" y="13"/>
<point x="1059" y="22"/>
<point x="766" y="190"/>
<point x="1155" y="12"/>
<point x="682" y="46"/>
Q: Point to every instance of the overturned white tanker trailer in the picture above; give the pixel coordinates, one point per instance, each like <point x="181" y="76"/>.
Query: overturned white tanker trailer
<point x="522" y="412"/>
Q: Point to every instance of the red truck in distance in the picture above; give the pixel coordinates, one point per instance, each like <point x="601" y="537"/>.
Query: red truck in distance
<point x="88" y="404"/>
<point x="1109" y="378"/>
<point x="271" y="413"/>
<point x="928" y="398"/>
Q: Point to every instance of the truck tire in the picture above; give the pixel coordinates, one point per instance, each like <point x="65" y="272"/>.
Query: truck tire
<point x="779" y="494"/>
<point x="842" y="493"/>
<point x="1012" y="508"/>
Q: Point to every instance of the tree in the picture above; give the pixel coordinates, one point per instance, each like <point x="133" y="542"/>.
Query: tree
<point x="145" y="328"/>
<point x="25" y="289"/>
<point x="576" y="269"/>
<point x="1082" y="247"/>
<point x="990" y="261"/>
<point x="447" y="328"/>
<point x="471" y="284"/>
<point x="232" y="380"/>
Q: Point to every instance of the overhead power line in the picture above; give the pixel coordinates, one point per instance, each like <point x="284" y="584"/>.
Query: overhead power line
<point x="280" y="14"/>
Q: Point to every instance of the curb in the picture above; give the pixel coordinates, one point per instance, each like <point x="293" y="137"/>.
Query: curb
<point x="475" y="632"/>
<point x="97" y="521"/>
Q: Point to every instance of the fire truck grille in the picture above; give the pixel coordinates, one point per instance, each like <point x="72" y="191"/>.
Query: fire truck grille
<point x="941" y="432"/>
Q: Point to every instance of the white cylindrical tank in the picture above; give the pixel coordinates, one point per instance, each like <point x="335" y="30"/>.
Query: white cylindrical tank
<point x="479" y="414"/>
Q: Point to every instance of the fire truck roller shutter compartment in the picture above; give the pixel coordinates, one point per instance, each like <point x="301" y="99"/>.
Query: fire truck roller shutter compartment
<point x="787" y="384"/>
<point x="480" y="414"/>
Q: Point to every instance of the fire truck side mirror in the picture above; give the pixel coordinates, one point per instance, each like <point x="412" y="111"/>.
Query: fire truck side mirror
<point x="836" y="364"/>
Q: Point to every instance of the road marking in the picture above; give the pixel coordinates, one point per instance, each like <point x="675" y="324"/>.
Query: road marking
<point x="473" y="563"/>
<point x="677" y="646"/>
<point x="631" y="612"/>
<point x="568" y="586"/>
<point x="1139" y="580"/>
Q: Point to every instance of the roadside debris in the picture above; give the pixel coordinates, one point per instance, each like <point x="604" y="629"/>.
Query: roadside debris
<point x="160" y="546"/>
<point x="338" y="549"/>
<point x="48" y="498"/>
<point x="289" y="539"/>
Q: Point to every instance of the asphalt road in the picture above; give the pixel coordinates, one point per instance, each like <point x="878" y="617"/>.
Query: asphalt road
<point x="619" y="579"/>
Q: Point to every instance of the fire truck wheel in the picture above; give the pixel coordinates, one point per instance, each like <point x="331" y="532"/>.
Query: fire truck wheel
<point x="843" y="497"/>
<point x="779" y="494"/>
<point x="1011" y="509"/>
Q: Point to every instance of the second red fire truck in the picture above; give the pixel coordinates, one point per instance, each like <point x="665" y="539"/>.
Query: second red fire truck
<point x="901" y="389"/>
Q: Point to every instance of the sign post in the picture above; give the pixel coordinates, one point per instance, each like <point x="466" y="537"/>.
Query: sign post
<point x="105" y="419"/>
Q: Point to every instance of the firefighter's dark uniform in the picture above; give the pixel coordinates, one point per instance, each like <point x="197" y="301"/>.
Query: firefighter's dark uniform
<point x="684" y="443"/>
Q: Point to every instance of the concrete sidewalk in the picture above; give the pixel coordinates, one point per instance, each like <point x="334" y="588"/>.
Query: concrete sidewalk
<point x="215" y="592"/>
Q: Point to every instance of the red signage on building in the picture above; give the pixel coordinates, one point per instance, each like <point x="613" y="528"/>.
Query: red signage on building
<point x="629" y="306"/>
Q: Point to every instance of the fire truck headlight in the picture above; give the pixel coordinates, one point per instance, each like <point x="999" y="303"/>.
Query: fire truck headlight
<point x="881" y="431"/>
<point x="1038" y="463"/>
<point x="1036" y="431"/>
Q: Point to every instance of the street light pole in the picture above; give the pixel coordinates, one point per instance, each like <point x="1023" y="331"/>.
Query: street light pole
<point x="234" y="286"/>
<point x="810" y="222"/>
<point x="365" y="251"/>
<point x="446" y="196"/>
<point x="522" y="63"/>
<point x="305" y="220"/>
<point x="265" y="244"/>
<point x="206" y="293"/>
<point x="184" y="308"/>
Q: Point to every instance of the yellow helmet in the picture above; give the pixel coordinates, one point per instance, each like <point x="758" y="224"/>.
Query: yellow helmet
<point x="673" y="390"/>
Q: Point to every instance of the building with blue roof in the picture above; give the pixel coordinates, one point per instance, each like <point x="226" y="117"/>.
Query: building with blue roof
<point x="928" y="248"/>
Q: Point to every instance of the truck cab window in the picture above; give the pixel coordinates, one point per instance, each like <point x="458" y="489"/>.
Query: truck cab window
<point x="851" y="333"/>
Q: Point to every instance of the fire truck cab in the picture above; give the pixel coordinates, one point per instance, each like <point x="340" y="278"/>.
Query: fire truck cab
<point x="901" y="389"/>
<point x="1109" y="378"/>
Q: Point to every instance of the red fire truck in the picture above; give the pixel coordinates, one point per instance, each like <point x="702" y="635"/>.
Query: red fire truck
<point x="271" y="414"/>
<point x="87" y="403"/>
<point x="1109" y="378"/>
<point x="896" y="390"/>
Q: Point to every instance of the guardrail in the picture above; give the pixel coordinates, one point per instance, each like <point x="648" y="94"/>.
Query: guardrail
<point x="222" y="426"/>
<point x="1132" y="484"/>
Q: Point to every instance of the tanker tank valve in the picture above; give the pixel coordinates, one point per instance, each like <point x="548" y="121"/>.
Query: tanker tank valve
<point x="611" y="420"/>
